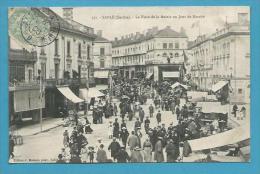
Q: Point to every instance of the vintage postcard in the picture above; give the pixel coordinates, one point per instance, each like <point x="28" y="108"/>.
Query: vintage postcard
<point x="129" y="84"/>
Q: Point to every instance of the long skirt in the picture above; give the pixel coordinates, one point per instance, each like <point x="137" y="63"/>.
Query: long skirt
<point x="147" y="154"/>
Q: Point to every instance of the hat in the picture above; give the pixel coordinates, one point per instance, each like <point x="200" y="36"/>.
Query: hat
<point x="123" y="127"/>
<point x="137" y="148"/>
<point x="160" y="138"/>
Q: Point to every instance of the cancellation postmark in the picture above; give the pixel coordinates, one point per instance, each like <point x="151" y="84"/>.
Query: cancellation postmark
<point x="39" y="30"/>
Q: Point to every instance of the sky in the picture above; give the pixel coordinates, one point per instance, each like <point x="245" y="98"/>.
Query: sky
<point x="129" y="20"/>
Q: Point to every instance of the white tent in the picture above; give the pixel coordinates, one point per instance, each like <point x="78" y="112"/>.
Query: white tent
<point x="69" y="94"/>
<point x="232" y="136"/>
<point x="91" y="93"/>
<point x="219" y="85"/>
<point x="212" y="107"/>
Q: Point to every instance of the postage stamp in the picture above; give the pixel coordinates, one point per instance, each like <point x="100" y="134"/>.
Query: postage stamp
<point x="31" y="26"/>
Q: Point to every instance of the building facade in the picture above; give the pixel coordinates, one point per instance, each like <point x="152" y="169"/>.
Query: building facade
<point x="155" y="53"/>
<point x="102" y="59"/>
<point x="224" y="55"/>
<point x="67" y="61"/>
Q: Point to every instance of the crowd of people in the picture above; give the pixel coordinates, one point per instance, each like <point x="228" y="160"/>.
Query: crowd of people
<point x="142" y="142"/>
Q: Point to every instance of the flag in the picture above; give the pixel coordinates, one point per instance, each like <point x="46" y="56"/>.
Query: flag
<point x="195" y="24"/>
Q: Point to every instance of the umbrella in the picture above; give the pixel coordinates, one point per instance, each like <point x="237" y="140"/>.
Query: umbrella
<point x="125" y="97"/>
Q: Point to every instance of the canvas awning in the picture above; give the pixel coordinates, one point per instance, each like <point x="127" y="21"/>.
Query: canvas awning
<point x="101" y="74"/>
<point x="221" y="139"/>
<point x="69" y="94"/>
<point x="212" y="107"/>
<point x="171" y="74"/>
<point x="149" y="75"/>
<point x="219" y="85"/>
<point x="91" y="93"/>
<point x="195" y="96"/>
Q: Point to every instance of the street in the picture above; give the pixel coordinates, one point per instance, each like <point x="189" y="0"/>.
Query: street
<point x="46" y="146"/>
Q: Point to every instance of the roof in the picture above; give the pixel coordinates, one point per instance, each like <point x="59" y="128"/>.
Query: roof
<point x="167" y="32"/>
<point x="71" y="25"/>
<point x="101" y="39"/>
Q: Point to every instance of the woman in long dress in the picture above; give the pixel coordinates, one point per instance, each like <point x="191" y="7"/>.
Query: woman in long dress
<point x="147" y="149"/>
<point x="84" y="154"/>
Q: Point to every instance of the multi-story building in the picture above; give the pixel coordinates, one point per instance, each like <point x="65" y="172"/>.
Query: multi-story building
<point x="157" y="53"/>
<point x="224" y="56"/>
<point x="68" y="60"/>
<point x="102" y="59"/>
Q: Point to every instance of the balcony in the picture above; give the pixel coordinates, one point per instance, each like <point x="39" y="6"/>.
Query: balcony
<point x="49" y="83"/>
<point x="22" y="85"/>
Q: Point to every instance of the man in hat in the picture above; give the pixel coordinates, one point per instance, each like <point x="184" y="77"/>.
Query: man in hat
<point x="124" y="135"/>
<point x="159" y="117"/>
<point x="101" y="154"/>
<point x="147" y="124"/>
<point x="137" y="124"/>
<point x="114" y="148"/>
<point x="136" y="155"/>
<point x="172" y="151"/>
<point x="141" y="114"/>
<point x="123" y="124"/>
<point x="122" y="156"/>
<point x="132" y="141"/>
<point x="115" y="109"/>
<point x="116" y="128"/>
<point x="151" y="110"/>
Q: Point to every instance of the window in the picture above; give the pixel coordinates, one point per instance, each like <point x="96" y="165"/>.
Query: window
<point x="170" y="46"/>
<point x="102" y="51"/>
<point x="42" y="51"/>
<point x="56" y="47"/>
<point x="43" y="70"/>
<point x="239" y="91"/>
<point x="68" y="48"/>
<point x="164" y="45"/>
<point x="177" y="46"/>
<point x="79" y="50"/>
<point x="102" y="63"/>
<point x="56" y="69"/>
<point x="88" y="52"/>
<point x="17" y="72"/>
<point x="164" y="54"/>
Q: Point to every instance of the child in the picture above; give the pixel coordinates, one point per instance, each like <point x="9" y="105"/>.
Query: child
<point x="110" y="130"/>
<point x="91" y="154"/>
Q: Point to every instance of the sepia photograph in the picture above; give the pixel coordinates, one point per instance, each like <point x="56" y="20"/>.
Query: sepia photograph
<point x="166" y="84"/>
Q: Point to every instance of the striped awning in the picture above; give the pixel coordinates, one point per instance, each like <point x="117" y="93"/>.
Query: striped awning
<point x="69" y="95"/>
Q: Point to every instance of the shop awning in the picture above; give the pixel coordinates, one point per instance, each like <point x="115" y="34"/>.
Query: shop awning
<point x="69" y="95"/>
<point x="196" y="96"/>
<point x="101" y="74"/>
<point x="212" y="107"/>
<point x="91" y="93"/>
<point x="221" y="139"/>
<point x="149" y="75"/>
<point x="219" y="85"/>
<point x="171" y="74"/>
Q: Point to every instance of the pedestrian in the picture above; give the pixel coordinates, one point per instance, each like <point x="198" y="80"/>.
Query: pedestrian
<point x="110" y="130"/>
<point x="159" y="117"/>
<point x="101" y="155"/>
<point x="84" y="154"/>
<point x="132" y="141"/>
<point x="172" y="151"/>
<point x="147" y="124"/>
<point x="116" y="128"/>
<point x="11" y="146"/>
<point x="158" y="151"/>
<point x="99" y="142"/>
<point x="88" y="129"/>
<point x="124" y="135"/>
<point x="178" y="112"/>
<point x="122" y="156"/>
<point x="137" y="124"/>
<point x="147" y="150"/>
<point x="235" y="109"/>
<point x="151" y="110"/>
<point x="91" y="154"/>
<point x="81" y="141"/>
<point x="66" y="138"/>
<point x="115" y="109"/>
<point x="136" y="155"/>
<point x="60" y="159"/>
<point x="243" y="112"/>
<point x="123" y="124"/>
<point x="114" y="148"/>
<point x="141" y="114"/>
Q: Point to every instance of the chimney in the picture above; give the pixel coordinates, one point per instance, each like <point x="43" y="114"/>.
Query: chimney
<point x="242" y="18"/>
<point x="99" y="33"/>
<point x="68" y="13"/>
